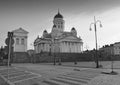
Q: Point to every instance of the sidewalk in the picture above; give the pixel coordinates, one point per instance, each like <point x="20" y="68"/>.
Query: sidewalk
<point x="71" y="64"/>
<point x="79" y="64"/>
<point x="107" y="79"/>
<point x="2" y="81"/>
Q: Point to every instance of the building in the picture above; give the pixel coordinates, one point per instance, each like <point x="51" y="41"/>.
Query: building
<point x="30" y="52"/>
<point x="117" y="48"/>
<point x="20" y="38"/>
<point x="112" y="49"/>
<point x="108" y="49"/>
<point x="58" y="40"/>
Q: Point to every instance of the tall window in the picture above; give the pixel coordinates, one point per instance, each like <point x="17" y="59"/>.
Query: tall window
<point x="17" y="40"/>
<point x="22" y="41"/>
<point x="58" y="26"/>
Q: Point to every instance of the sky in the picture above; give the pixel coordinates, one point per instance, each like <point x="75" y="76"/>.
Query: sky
<point x="37" y="15"/>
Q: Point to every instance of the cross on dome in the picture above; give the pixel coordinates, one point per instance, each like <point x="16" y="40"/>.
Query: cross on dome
<point x="58" y="15"/>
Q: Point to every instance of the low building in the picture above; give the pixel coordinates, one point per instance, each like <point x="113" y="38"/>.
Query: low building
<point x="107" y="49"/>
<point x="20" y="37"/>
<point x="113" y="49"/>
<point x="117" y="48"/>
<point x="20" y="54"/>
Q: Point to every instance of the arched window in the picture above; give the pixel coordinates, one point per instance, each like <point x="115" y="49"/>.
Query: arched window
<point x="22" y="41"/>
<point x="17" y="40"/>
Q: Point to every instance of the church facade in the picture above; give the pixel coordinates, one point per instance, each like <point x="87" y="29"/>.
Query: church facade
<point x="58" y="40"/>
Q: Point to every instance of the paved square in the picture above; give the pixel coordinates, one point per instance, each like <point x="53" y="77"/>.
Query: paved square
<point x="48" y="74"/>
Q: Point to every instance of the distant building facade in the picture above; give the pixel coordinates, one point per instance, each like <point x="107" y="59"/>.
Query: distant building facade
<point x="108" y="49"/>
<point x="113" y="49"/>
<point x="117" y="48"/>
<point x="59" y="40"/>
<point x="20" y="37"/>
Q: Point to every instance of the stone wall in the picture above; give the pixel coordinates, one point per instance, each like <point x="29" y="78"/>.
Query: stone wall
<point x="65" y="57"/>
<point x="20" y="57"/>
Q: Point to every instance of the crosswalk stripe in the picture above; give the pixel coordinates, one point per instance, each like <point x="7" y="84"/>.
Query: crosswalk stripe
<point x="12" y="76"/>
<point x="74" y="79"/>
<point x="19" y="72"/>
<point x="10" y="71"/>
<point x="25" y="79"/>
<point x="17" y="75"/>
<point x="70" y="82"/>
<point x="22" y="78"/>
<point x="52" y="82"/>
<point x="78" y="77"/>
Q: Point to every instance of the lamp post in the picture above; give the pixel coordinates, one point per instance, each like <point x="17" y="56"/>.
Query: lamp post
<point x="95" y="29"/>
<point x="53" y="49"/>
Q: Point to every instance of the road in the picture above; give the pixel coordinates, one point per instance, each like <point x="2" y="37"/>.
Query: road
<point x="48" y="74"/>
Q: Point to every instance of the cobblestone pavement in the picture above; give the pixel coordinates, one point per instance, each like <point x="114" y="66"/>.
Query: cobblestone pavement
<point x="58" y="75"/>
<point x="14" y="75"/>
<point x="108" y="78"/>
<point x="75" y="78"/>
<point x="36" y="74"/>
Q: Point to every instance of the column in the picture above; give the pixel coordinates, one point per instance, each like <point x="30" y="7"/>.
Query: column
<point x="78" y="47"/>
<point x="37" y="48"/>
<point x="65" y="47"/>
<point x="75" y="47"/>
<point x="61" y="46"/>
<point x="48" y="48"/>
<point x="44" y="47"/>
<point x="70" y="47"/>
<point x="40" y="47"/>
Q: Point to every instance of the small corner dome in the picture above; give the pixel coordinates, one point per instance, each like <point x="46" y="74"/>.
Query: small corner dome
<point x="37" y="36"/>
<point x="73" y="29"/>
<point x="20" y="27"/>
<point x="45" y="31"/>
<point x="54" y="26"/>
<point x="58" y="15"/>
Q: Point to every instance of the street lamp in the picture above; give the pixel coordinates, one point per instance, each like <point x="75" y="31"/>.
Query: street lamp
<point x="53" y="50"/>
<point x="95" y="29"/>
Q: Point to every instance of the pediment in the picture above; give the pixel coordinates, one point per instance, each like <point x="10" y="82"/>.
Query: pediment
<point x="20" y="30"/>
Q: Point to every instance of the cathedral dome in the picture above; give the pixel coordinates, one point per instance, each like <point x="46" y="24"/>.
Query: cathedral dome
<point x="45" y="31"/>
<point x="73" y="31"/>
<point x="54" y="26"/>
<point x="58" y="15"/>
<point x="73" y="28"/>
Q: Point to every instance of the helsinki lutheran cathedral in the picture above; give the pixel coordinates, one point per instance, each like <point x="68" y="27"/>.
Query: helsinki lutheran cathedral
<point x="58" y="40"/>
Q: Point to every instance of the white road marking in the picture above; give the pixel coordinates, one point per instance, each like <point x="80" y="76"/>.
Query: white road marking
<point x="25" y="79"/>
<point x="18" y="76"/>
<point x="13" y="73"/>
<point x="34" y="73"/>
<point x="29" y="72"/>
<point x="10" y="83"/>
<point x="54" y="82"/>
<point x="19" y="70"/>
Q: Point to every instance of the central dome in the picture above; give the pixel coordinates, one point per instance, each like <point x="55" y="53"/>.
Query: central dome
<point x="58" y="15"/>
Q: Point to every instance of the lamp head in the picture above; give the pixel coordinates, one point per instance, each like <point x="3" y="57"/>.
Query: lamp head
<point x="101" y="25"/>
<point x="90" y="29"/>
